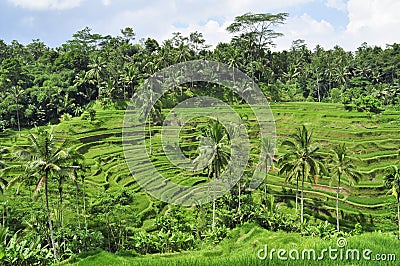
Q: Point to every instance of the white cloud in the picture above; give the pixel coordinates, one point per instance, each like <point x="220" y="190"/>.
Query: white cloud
<point x="208" y="17"/>
<point x="376" y="21"/>
<point x="213" y="32"/>
<point x="46" y="4"/>
<point x="337" y="4"/>
<point x="373" y="21"/>
<point x="306" y="28"/>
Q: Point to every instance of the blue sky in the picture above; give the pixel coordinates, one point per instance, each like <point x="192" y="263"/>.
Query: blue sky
<point x="347" y="23"/>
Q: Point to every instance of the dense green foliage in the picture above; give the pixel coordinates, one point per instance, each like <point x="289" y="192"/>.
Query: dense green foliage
<point x="103" y="207"/>
<point x="66" y="189"/>
<point x="241" y="247"/>
<point x="39" y="84"/>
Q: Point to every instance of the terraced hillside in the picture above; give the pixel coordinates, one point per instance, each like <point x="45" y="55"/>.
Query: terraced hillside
<point x="374" y="140"/>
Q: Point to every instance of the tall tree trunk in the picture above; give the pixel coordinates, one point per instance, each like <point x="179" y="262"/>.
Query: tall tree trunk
<point x="337" y="204"/>
<point x="318" y="89"/>
<point x="99" y="92"/>
<point x="4" y="210"/>
<point x="18" y="123"/>
<point x="239" y="194"/>
<point x="46" y="192"/>
<point x="266" y="177"/>
<point x="77" y="204"/>
<point x="215" y="184"/>
<point x="150" y="149"/>
<point x="60" y="213"/>
<point x="398" y="216"/>
<point x="265" y="193"/>
<point x="302" y="196"/>
<point x="208" y="185"/>
<point x="84" y="205"/>
<point x="4" y="215"/>
<point x="297" y="193"/>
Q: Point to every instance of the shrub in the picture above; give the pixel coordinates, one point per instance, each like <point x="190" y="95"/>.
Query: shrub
<point x="17" y="250"/>
<point x="324" y="230"/>
<point x="92" y="114"/>
<point x="75" y="240"/>
<point x="358" y="229"/>
<point x="215" y="236"/>
<point x="334" y="95"/>
<point x="65" y="117"/>
<point x="369" y="103"/>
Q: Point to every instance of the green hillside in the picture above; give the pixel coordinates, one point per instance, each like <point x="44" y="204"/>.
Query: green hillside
<point x="374" y="140"/>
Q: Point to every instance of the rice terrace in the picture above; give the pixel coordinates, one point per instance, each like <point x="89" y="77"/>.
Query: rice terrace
<point x="309" y="177"/>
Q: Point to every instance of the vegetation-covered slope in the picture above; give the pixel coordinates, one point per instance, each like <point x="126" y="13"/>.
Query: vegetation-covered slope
<point x="372" y="139"/>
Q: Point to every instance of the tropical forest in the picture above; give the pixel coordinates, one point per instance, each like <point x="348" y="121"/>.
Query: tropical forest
<point x="330" y="190"/>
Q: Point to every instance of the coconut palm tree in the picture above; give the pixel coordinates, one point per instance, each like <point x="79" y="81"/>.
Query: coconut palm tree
<point x="47" y="158"/>
<point x="289" y="178"/>
<point x="3" y="163"/>
<point x="392" y="181"/>
<point x="342" y="165"/>
<point x="17" y="92"/>
<point x="95" y="74"/>
<point x="214" y="153"/>
<point x="3" y="181"/>
<point x="150" y="106"/>
<point x="302" y="155"/>
<point x="128" y="78"/>
<point x="268" y="150"/>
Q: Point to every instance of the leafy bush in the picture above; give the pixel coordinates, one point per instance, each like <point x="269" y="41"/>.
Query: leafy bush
<point x="358" y="229"/>
<point x="75" y="240"/>
<point x="334" y="95"/>
<point x="65" y="117"/>
<point x="15" y="250"/>
<point x="369" y="103"/>
<point x="114" y="215"/>
<point x="324" y="230"/>
<point x="277" y="221"/>
<point x="215" y="236"/>
<point x="92" y="114"/>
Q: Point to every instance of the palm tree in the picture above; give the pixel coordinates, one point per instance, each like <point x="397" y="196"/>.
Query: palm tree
<point x="128" y="78"/>
<point x="392" y="181"/>
<point x="74" y="164"/>
<point x="267" y="149"/>
<point x="150" y="107"/>
<point x="80" y="79"/>
<point x="342" y="165"/>
<point x="289" y="178"/>
<point x="303" y="156"/>
<point x="214" y="153"/>
<point x="3" y="151"/>
<point x="94" y="74"/>
<point x="183" y="53"/>
<point x="47" y="159"/>
<point x="233" y="131"/>
<point x="17" y="92"/>
<point x="3" y="181"/>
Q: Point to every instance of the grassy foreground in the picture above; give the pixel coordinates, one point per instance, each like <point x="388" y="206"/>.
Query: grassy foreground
<point x="243" y="243"/>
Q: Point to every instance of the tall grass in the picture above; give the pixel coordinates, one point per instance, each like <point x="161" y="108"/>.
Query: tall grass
<point x="242" y="245"/>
